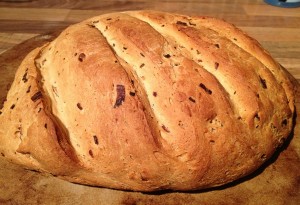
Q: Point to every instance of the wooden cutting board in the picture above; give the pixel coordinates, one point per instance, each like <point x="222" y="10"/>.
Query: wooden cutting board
<point x="276" y="182"/>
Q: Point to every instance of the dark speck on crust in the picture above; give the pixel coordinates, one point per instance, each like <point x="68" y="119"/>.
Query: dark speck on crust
<point x="216" y="65"/>
<point x="96" y="139"/>
<point x="28" y="89"/>
<point x="120" y="95"/>
<point x="208" y="91"/>
<point x="12" y="106"/>
<point x="167" y="55"/>
<point x="24" y="78"/>
<point x="79" y="106"/>
<point x="91" y="153"/>
<point x="165" y="128"/>
<point x="263" y="82"/>
<point x="36" y="96"/>
<point x="192" y="99"/>
<point x="81" y="57"/>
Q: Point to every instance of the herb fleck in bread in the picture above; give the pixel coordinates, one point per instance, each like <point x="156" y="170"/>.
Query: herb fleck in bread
<point x="146" y="100"/>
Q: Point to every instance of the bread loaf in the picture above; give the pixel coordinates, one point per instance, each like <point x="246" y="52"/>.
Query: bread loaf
<point x="145" y="101"/>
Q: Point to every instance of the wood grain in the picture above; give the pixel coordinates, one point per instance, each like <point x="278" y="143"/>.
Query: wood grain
<point x="277" y="182"/>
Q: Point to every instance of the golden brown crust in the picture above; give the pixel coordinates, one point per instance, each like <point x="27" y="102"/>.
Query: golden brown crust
<point x="28" y="134"/>
<point x="145" y="101"/>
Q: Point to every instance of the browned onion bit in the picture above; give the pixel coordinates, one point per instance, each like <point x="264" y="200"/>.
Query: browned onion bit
<point x="208" y="91"/>
<point x="36" y="96"/>
<point x="120" y="95"/>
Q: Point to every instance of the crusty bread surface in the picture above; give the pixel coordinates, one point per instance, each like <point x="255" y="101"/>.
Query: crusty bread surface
<point x="145" y="101"/>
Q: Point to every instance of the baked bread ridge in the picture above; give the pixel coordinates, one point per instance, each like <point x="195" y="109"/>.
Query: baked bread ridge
<point x="146" y="100"/>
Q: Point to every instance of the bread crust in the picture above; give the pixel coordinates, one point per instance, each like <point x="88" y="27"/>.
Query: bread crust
<point x="145" y="101"/>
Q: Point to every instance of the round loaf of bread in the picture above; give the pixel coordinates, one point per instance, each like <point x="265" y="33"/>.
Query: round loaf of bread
<point x="145" y="101"/>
